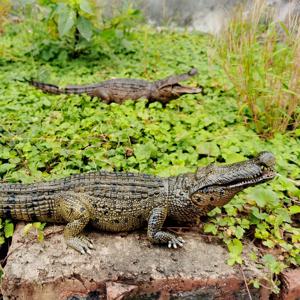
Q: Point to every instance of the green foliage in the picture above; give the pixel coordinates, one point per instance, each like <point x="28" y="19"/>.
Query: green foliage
<point x="58" y="30"/>
<point x="269" y="212"/>
<point x="6" y="230"/>
<point x="77" y="18"/>
<point x="38" y="228"/>
<point x="235" y="248"/>
<point x="262" y="58"/>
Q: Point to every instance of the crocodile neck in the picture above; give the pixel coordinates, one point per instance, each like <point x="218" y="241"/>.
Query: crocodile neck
<point x="180" y="206"/>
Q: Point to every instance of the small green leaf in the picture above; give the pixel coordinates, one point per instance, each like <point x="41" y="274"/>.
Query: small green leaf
<point x="235" y="248"/>
<point x="144" y="151"/>
<point x="232" y="157"/>
<point x="253" y="256"/>
<point x="208" y="148"/>
<point x="39" y="225"/>
<point x="8" y="229"/>
<point x="231" y="261"/>
<point x="294" y="209"/>
<point x="214" y="212"/>
<point x="85" y="28"/>
<point x="230" y="210"/>
<point x="210" y="228"/>
<point x="239" y="232"/>
<point x="259" y="215"/>
<point x="256" y="283"/>
<point x="282" y="216"/>
<point x="263" y="197"/>
<point x="261" y="231"/>
<point x="272" y="264"/>
<point x="40" y="235"/>
<point x="85" y="6"/>
<point x="66" y="19"/>
<point x="245" y="223"/>
<point x="269" y="243"/>
<point x="6" y="167"/>
<point x="27" y="228"/>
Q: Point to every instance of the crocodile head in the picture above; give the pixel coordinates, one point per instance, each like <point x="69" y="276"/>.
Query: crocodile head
<point x="216" y="185"/>
<point x="170" y="88"/>
<point x="175" y="91"/>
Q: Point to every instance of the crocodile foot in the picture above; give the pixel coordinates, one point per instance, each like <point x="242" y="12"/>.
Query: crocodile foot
<point x="176" y="241"/>
<point x="81" y="244"/>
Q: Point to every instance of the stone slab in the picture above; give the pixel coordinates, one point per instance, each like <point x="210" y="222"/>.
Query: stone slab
<point x="122" y="266"/>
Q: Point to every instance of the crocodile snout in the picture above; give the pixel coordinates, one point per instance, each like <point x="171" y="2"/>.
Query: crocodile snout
<point x="193" y="72"/>
<point x="267" y="159"/>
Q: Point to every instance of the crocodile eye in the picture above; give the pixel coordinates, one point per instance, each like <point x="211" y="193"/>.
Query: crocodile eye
<point x="196" y="199"/>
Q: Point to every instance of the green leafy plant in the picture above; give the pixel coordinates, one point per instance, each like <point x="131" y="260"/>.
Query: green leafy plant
<point x="268" y="213"/>
<point x="76" y="20"/>
<point x="6" y="230"/>
<point x="68" y="29"/>
<point x="38" y="228"/>
<point x="235" y="248"/>
<point x="58" y="29"/>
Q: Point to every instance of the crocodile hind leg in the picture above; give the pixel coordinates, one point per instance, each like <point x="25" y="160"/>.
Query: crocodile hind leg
<point x="156" y="235"/>
<point x="101" y="93"/>
<point x="75" y="209"/>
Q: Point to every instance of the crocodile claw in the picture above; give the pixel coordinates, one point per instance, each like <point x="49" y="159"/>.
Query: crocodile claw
<point x="175" y="242"/>
<point x="81" y="244"/>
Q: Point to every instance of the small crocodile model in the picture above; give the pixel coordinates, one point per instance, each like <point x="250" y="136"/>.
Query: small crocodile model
<point x="126" y="201"/>
<point x="120" y="89"/>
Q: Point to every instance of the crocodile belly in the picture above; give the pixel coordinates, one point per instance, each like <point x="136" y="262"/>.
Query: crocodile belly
<point x="120" y="221"/>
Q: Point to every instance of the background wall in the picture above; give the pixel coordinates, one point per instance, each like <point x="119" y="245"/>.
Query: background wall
<point x="202" y="15"/>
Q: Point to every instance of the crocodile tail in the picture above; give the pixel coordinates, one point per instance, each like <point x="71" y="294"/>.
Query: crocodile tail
<point x="24" y="207"/>
<point x="70" y="89"/>
<point x="173" y="79"/>
<point x="80" y="89"/>
<point x="46" y="87"/>
<point x="11" y="208"/>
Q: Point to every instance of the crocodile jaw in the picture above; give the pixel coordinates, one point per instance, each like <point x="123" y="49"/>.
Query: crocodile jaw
<point x="181" y="90"/>
<point x="169" y="92"/>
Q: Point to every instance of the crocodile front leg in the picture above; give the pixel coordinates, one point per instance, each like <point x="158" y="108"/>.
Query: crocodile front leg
<point x="75" y="209"/>
<point x="156" y="235"/>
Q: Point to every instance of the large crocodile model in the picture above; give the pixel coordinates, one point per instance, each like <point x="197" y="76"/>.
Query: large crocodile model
<point x="126" y="201"/>
<point x="120" y="89"/>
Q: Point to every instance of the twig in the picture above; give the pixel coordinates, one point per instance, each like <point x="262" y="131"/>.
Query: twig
<point x="247" y="288"/>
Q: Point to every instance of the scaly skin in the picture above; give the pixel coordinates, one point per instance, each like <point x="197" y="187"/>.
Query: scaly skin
<point x="121" y="89"/>
<point x="125" y="201"/>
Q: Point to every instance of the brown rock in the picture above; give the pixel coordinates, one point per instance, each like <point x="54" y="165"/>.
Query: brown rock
<point x="119" y="266"/>
<point x="291" y="285"/>
<point x="117" y="291"/>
